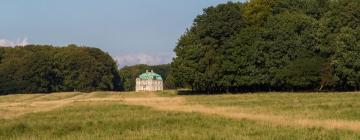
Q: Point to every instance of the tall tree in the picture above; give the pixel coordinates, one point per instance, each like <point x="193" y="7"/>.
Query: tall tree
<point x="271" y="45"/>
<point x="199" y="51"/>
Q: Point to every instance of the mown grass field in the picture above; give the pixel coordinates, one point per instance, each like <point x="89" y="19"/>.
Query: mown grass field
<point x="165" y="115"/>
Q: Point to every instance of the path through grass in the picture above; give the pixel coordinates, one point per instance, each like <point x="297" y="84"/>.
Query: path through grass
<point x="167" y="116"/>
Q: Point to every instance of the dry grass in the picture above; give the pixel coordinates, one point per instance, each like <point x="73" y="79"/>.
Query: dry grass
<point x="17" y="105"/>
<point x="179" y="104"/>
<point x="14" y="107"/>
<point x="113" y="120"/>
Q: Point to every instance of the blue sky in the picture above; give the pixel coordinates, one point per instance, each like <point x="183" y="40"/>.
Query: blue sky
<point x="132" y="31"/>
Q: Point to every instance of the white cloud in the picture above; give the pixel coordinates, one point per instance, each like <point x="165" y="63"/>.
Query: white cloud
<point x="143" y="58"/>
<point x="9" y="43"/>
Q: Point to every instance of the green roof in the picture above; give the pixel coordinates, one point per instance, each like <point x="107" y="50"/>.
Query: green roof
<point x="150" y="75"/>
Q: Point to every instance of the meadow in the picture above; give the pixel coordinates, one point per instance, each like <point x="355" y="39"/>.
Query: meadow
<point x="165" y="115"/>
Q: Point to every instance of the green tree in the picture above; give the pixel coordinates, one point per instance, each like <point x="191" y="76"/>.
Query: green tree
<point x="271" y="45"/>
<point x="44" y="69"/>
<point x="199" y="51"/>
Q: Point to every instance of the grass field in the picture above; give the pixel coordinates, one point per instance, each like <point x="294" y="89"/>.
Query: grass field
<point x="165" y="115"/>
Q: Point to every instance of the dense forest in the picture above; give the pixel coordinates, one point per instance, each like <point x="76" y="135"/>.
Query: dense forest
<point x="129" y="74"/>
<point x="272" y="45"/>
<point x="45" y="68"/>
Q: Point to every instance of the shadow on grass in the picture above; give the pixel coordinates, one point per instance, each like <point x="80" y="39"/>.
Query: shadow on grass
<point x="191" y="92"/>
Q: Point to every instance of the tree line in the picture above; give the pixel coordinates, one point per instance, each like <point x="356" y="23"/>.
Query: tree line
<point x="45" y="68"/>
<point x="271" y="45"/>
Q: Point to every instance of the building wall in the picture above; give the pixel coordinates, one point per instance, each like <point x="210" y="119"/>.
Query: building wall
<point x="149" y="85"/>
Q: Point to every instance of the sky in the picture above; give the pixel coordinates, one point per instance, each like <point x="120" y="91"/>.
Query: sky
<point x="131" y="31"/>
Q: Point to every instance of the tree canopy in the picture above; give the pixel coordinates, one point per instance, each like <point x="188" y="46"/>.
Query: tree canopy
<point x="267" y="45"/>
<point x="45" y="68"/>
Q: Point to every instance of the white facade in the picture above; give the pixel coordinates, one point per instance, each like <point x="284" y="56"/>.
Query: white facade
<point x="148" y="85"/>
<point x="149" y="81"/>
